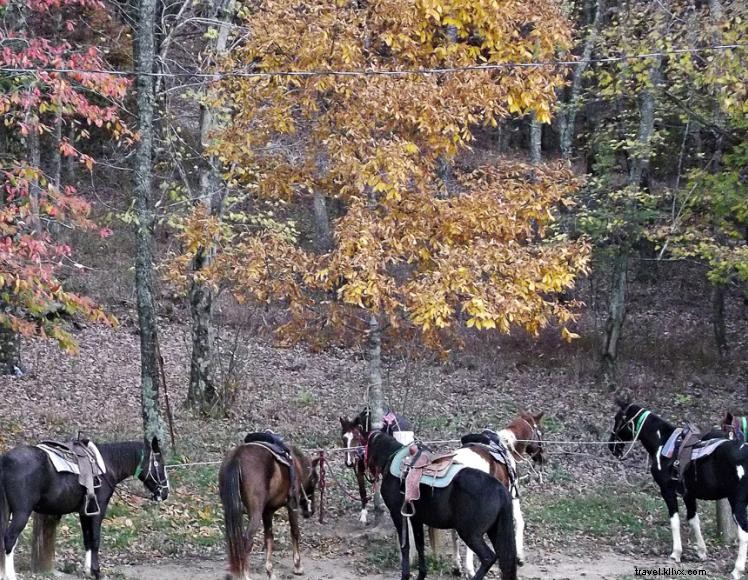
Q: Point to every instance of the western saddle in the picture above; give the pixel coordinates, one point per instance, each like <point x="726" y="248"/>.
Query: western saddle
<point x="81" y="453"/>
<point x="419" y="463"/>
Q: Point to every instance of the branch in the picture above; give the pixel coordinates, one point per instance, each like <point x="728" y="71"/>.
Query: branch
<point x="734" y="139"/>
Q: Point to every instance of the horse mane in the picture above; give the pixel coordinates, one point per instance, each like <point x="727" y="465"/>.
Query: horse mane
<point x="121" y="455"/>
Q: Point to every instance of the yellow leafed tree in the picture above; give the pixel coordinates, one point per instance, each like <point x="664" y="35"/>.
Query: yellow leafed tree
<point x="410" y="249"/>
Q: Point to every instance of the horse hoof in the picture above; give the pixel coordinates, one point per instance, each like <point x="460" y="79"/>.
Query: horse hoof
<point x="675" y="557"/>
<point x="520" y="561"/>
<point x="736" y="574"/>
<point x="299" y="571"/>
<point x="456" y="572"/>
<point x="702" y="556"/>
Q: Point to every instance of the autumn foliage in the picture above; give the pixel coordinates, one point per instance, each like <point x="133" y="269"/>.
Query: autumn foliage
<point x="32" y="100"/>
<point x="413" y="246"/>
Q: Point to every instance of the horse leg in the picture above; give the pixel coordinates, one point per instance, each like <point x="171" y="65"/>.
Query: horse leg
<point x="402" y="535"/>
<point x="293" y="522"/>
<point x="418" y="538"/>
<point x="519" y="531"/>
<point x="738" y="505"/>
<point x="361" y="480"/>
<point x="469" y="563"/>
<point x="671" y="500"/>
<point x="267" y="524"/>
<point x="486" y="556"/>
<point x="457" y="570"/>
<point x="18" y="521"/>
<point x="693" y="521"/>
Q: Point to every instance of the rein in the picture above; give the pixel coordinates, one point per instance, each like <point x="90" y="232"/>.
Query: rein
<point x="635" y="424"/>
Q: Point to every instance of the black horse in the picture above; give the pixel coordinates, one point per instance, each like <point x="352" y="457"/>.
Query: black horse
<point x="473" y="504"/>
<point x="29" y="483"/>
<point x="718" y="475"/>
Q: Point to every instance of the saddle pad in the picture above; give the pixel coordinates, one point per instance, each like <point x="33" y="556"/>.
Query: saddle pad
<point x="277" y="452"/>
<point x="707" y="448"/>
<point x="397" y="463"/>
<point x="669" y="447"/>
<point x="62" y="465"/>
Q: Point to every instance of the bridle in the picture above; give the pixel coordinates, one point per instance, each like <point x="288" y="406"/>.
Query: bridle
<point x="536" y="437"/>
<point x="738" y="425"/>
<point x="634" y="424"/>
<point x="153" y="473"/>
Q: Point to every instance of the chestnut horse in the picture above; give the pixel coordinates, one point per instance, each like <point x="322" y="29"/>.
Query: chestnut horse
<point x="254" y="481"/>
<point x="522" y="437"/>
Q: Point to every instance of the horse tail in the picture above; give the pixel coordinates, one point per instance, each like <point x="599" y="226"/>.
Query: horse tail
<point x="504" y="542"/>
<point x="233" y="515"/>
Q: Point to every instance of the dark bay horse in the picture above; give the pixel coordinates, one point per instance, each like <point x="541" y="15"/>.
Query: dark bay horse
<point x="522" y="437"/>
<point x="253" y="481"/>
<point x="473" y="504"/>
<point x="29" y="483"/>
<point x="353" y="434"/>
<point x="721" y="474"/>
<point x="735" y="426"/>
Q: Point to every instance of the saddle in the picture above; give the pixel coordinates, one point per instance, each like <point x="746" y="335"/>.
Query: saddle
<point x="275" y="444"/>
<point x="490" y="442"/>
<point x="420" y="463"/>
<point x="79" y="456"/>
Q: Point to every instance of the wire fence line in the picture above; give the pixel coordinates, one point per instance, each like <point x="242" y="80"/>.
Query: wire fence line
<point x="219" y="74"/>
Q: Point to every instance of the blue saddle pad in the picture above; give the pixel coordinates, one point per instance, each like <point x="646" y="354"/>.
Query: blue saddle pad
<point x="396" y="468"/>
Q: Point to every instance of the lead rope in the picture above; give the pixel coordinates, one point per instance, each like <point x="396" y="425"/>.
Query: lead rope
<point x="322" y="485"/>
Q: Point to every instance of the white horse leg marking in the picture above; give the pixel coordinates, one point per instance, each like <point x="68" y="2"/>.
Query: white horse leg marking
<point x="519" y="531"/>
<point x="677" y="546"/>
<point x="10" y="569"/>
<point x="363" y="518"/>
<point x="659" y="464"/>
<point x="87" y="564"/>
<point x="469" y="564"/>
<point x="742" y="550"/>
<point x="700" y="544"/>
<point x="741" y="471"/>
<point x="348" y="442"/>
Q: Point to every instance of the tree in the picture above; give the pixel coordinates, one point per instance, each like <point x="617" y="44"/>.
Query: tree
<point x="32" y="101"/>
<point x="407" y="259"/>
<point x="150" y="364"/>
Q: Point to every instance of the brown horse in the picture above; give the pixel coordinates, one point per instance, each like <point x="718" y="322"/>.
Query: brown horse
<point x="522" y="437"/>
<point x="736" y="426"/>
<point x="253" y="480"/>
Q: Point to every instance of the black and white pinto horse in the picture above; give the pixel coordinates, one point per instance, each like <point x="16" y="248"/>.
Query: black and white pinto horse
<point x="29" y="483"/>
<point x="354" y="434"/>
<point x="473" y="504"/>
<point x="722" y="474"/>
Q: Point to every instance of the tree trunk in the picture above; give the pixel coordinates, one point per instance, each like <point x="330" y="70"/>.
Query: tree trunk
<point x="33" y="149"/>
<point x="43" y="542"/>
<point x="725" y="524"/>
<point x="150" y="378"/>
<point x="568" y="115"/>
<point x="202" y="395"/>
<point x="10" y="352"/>
<point x="68" y="164"/>
<point x="55" y="157"/>
<point x="718" y="319"/>
<point x="376" y="394"/>
<point x="322" y="232"/>
<point x="616" y="316"/>
<point x="536" y="140"/>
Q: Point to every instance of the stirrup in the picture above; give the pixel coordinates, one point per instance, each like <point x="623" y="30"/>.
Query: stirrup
<point x="404" y="510"/>
<point x="89" y="500"/>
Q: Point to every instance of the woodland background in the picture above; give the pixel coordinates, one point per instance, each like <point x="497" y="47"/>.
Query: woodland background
<point x="532" y="202"/>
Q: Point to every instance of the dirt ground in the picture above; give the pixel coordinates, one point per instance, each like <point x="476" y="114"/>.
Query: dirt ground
<point x="544" y="566"/>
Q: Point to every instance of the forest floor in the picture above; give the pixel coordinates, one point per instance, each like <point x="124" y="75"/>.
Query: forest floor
<point x="590" y="517"/>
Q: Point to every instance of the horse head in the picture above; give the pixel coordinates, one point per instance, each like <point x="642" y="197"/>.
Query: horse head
<point x="533" y="434"/>
<point x="152" y="471"/>
<point x="352" y="436"/>
<point x="308" y="486"/>
<point x="624" y="428"/>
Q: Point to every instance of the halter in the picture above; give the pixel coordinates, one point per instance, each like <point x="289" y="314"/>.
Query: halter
<point x="635" y="424"/>
<point x="153" y="472"/>
<point x="537" y="434"/>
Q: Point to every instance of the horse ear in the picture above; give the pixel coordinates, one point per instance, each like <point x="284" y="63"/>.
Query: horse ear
<point x="728" y="418"/>
<point x="342" y="421"/>
<point x="539" y="417"/>
<point x="621" y="402"/>
<point x="155" y="446"/>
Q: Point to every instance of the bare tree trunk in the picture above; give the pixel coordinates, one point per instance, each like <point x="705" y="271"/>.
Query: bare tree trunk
<point x="202" y="394"/>
<point x="616" y="317"/>
<point x="322" y="231"/>
<point x="725" y="524"/>
<point x="641" y="156"/>
<point x="10" y="352"/>
<point x="568" y="115"/>
<point x="43" y="542"/>
<point x="150" y="378"/>
<point x="536" y="140"/>
<point x="718" y="319"/>
<point x="33" y="149"/>
<point x="376" y="394"/>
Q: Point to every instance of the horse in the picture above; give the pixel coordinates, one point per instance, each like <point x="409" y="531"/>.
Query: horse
<point x="473" y="504"/>
<point x="718" y="475"/>
<point x="735" y="426"/>
<point x="30" y="483"/>
<point x="353" y="434"/>
<point x="523" y="436"/>
<point x="252" y="479"/>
